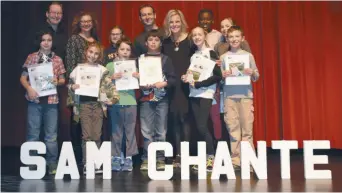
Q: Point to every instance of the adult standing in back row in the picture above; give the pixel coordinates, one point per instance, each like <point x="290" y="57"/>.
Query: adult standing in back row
<point x="147" y="16"/>
<point x="84" y="32"/>
<point x="177" y="46"/>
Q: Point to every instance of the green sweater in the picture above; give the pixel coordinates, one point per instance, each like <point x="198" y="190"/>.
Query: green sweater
<point x="127" y="97"/>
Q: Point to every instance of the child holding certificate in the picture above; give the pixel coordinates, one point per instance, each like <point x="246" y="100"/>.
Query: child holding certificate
<point x="43" y="109"/>
<point x="90" y="109"/>
<point x="238" y="99"/>
<point x="123" y="114"/>
<point x="202" y="91"/>
<point x="154" y="101"/>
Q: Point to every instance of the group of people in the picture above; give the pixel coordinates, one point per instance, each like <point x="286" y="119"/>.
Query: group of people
<point x="164" y="107"/>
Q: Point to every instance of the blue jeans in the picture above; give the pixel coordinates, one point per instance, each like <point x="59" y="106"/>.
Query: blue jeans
<point x="48" y="115"/>
<point x="153" y="119"/>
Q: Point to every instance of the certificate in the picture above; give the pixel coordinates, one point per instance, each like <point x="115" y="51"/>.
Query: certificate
<point x="88" y="77"/>
<point x="201" y="68"/>
<point x="237" y="64"/>
<point x="150" y="70"/>
<point x="41" y="79"/>
<point x="127" y="81"/>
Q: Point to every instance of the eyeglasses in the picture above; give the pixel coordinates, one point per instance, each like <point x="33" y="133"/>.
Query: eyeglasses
<point x="115" y="34"/>
<point x="56" y="13"/>
<point x="85" y="22"/>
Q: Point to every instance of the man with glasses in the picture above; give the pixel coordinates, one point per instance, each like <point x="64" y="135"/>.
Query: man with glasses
<point x="147" y="16"/>
<point x="54" y="15"/>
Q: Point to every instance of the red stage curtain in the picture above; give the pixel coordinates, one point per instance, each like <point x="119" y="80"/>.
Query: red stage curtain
<point x="297" y="46"/>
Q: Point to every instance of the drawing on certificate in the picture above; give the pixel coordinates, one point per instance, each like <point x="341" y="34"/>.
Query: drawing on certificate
<point x="150" y="70"/>
<point x="127" y="81"/>
<point x="200" y="69"/>
<point x="88" y="77"/>
<point x="41" y="79"/>
<point x="237" y="63"/>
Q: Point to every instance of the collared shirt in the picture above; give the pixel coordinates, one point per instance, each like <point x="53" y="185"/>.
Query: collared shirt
<point x="58" y="71"/>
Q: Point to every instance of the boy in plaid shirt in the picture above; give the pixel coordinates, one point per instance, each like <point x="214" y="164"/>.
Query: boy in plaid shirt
<point x="43" y="109"/>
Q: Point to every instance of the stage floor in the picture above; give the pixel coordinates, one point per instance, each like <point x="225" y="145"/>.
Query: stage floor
<point x="137" y="181"/>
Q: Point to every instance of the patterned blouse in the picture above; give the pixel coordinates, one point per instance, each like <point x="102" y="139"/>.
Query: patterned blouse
<point x="75" y="52"/>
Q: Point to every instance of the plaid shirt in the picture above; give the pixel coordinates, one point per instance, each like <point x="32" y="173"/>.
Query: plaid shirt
<point x="58" y="70"/>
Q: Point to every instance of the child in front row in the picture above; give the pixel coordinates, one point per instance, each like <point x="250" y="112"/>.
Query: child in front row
<point x="123" y="115"/>
<point x="202" y="93"/>
<point x="91" y="110"/>
<point x="238" y="99"/>
<point x="154" y="101"/>
<point x="43" y="109"/>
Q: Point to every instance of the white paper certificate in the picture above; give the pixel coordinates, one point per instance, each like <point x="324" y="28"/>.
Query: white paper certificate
<point x="127" y="81"/>
<point x="88" y="77"/>
<point x="41" y="79"/>
<point x="150" y="70"/>
<point x="237" y="63"/>
<point x="201" y="68"/>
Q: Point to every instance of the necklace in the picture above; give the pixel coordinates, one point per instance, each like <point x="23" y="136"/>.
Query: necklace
<point x="177" y="46"/>
<point x="177" y="42"/>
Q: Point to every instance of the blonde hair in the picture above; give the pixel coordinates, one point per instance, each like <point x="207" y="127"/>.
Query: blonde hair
<point x="205" y="35"/>
<point x="230" y="20"/>
<point x="173" y="12"/>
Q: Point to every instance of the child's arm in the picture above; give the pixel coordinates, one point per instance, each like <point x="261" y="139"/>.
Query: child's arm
<point x="32" y="94"/>
<point x="255" y="72"/>
<point x="109" y="88"/>
<point x="61" y="72"/>
<point x="71" y="83"/>
<point x="215" y="78"/>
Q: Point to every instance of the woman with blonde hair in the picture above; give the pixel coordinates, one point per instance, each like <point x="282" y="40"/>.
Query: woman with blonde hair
<point x="177" y="46"/>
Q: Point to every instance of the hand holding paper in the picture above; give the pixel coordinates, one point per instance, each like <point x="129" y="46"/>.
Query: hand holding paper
<point x="248" y="71"/>
<point x="136" y="74"/>
<point x="32" y="94"/>
<point x="226" y="73"/>
<point x="75" y="86"/>
<point x="116" y="76"/>
<point x="160" y="84"/>
<point x="55" y="81"/>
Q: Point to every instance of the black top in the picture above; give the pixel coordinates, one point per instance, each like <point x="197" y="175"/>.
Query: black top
<point x="179" y="94"/>
<point x="109" y="54"/>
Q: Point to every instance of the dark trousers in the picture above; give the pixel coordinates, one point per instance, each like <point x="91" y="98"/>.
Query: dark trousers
<point x="200" y="108"/>
<point x="179" y="129"/>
